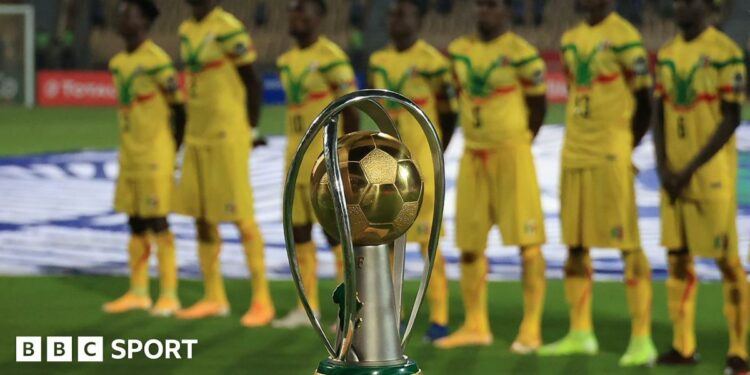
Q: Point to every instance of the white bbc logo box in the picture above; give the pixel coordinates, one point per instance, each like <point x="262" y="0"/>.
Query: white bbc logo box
<point x="59" y="349"/>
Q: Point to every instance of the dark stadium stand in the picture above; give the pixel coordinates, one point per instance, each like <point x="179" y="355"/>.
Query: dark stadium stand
<point x="439" y="29"/>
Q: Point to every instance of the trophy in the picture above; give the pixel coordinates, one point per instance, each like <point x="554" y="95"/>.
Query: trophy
<point x="366" y="191"/>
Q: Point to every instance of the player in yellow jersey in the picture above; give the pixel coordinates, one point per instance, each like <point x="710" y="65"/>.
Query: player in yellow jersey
<point x="149" y="102"/>
<point x="222" y="107"/>
<point x="502" y="99"/>
<point x="607" y="115"/>
<point x="314" y="73"/>
<point x="419" y="71"/>
<point x="700" y="89"/>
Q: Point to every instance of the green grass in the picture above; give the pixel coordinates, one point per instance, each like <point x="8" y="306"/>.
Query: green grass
<point x="70" y="306"/>
<point x="40" y="130"/>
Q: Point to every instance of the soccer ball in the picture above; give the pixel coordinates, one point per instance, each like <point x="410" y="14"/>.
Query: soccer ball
<point x="382" y="185"/>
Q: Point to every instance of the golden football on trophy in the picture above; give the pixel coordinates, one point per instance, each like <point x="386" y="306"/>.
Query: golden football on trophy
<point x="382" y="185"/>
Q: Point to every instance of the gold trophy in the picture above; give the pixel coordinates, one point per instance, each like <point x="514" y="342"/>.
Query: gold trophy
<point x="367" y="191"/>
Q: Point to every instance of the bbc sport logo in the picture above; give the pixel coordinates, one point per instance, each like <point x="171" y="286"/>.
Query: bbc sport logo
<point x="91" y="349"/>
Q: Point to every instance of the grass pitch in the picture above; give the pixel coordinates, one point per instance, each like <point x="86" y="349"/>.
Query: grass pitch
<point x="55" y="129"/>
<point x="70" y="306"/>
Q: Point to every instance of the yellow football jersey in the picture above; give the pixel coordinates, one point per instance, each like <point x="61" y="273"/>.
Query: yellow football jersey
<point x="419" y="73"/>
<point x="604" y="63"/>
<point x="493" y="78"/>
<point x="212" y="49"/>
<point x="146" y="83"/>
<point x="692" y="80"/>
<point x="312" y="77"/>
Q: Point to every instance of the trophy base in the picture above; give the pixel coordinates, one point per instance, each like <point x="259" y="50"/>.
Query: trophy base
<point x="329" y="367"/>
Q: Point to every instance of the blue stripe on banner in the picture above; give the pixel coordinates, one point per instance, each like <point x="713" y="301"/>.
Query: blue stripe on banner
<point x="57" y="217"/>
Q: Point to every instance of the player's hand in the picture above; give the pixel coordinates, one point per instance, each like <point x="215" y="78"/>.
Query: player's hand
<point x="669" y="183"/>
<point x="681" y="180"/>
<point x="258" y="139"/>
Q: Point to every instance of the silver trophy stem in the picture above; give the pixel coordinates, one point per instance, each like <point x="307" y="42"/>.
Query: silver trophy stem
<point x="376" y="338"/>
<point x="399" y="263"/>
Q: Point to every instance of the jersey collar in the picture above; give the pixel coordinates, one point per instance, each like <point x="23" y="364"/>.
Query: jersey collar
<point x="498" y="39"/>
<point x="413" y="47"/>
<point x="140" y="48"/>
<point x="321" y="39"/>
<point x="213" y="13"/>
<point x="708" y="31"/>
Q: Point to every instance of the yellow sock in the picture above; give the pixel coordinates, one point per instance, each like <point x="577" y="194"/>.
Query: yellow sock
<point x="638" y="291"/>
<point x="578" y="289"/>
<point x="682" y="288"/>
<point x="308" y="268"/>
<point x="534" y="286"/>
<point x="735" y="305"/>
<point x="167" y="264"/>
<point x="252" y="242"/>
<point x="139" y="250"/>
<point x="339" y="259"/>
<point x="437" y="291"/>
<point x="209" y="248"/>
<point x="474" y="288"/>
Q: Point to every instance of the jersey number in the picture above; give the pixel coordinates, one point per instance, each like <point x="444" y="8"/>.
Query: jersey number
<point x="126" y="123"/>
<point x="477" y="119"/>
<point x="681" y="132"/>
<point x="583" y="108"/>
<point x="297" y="124"/>
<point x="193" y="88"/>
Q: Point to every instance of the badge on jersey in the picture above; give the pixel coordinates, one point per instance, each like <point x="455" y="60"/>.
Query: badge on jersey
<point x="240" y="49"/>
<point x="640" y="67"/>
<point x="739" y="83"/>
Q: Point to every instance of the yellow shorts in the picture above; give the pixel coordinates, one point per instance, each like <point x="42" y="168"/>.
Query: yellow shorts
<point x="215" y="182"/>
<point x="706" y="228"/>
<point x="597" y="206"/>
<point x="498" y="187"/>
<point x="144" y="196"/>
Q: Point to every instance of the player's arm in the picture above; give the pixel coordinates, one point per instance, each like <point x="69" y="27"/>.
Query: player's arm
<point x="633" y="60"/>
<point x="641" y="116"/>
<point x="731" y="115"/>
<point x="165" y="77"/>
<point x="350" y="115"/>
<point x="448" y="120"/>
<point x="179" y="119"/>
<point x="666" y="177"/>
<point x="731" y="88"/>
<point x="340" y="77"/>
<point x="443" y="85"/>
<point x="238" y="47"/>
<point x="531" y="71"/>
<point x="254" y="89"/>
<point x="537" y="105"/>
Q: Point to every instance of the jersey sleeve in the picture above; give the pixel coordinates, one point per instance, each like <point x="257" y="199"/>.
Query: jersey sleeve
<point x="440" y="78"/>
<point x="339" y="74"/>
<point x="236" y="43"/>
<point x="164" y="75"/>
<point x="659" y="88"/>
<point x="633" y="58"/>
<point x="732" y="76"/>
<point x="530" y="70"/>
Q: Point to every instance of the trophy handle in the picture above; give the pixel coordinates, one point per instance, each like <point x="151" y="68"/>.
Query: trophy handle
<point x="365" y="101"/>
<point x="288" y="204"/>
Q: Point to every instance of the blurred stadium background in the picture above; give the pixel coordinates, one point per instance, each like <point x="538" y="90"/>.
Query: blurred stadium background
<point x="62" y="248"/>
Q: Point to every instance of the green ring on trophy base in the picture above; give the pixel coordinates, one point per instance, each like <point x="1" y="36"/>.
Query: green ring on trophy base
<point x="328" y="367"/>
